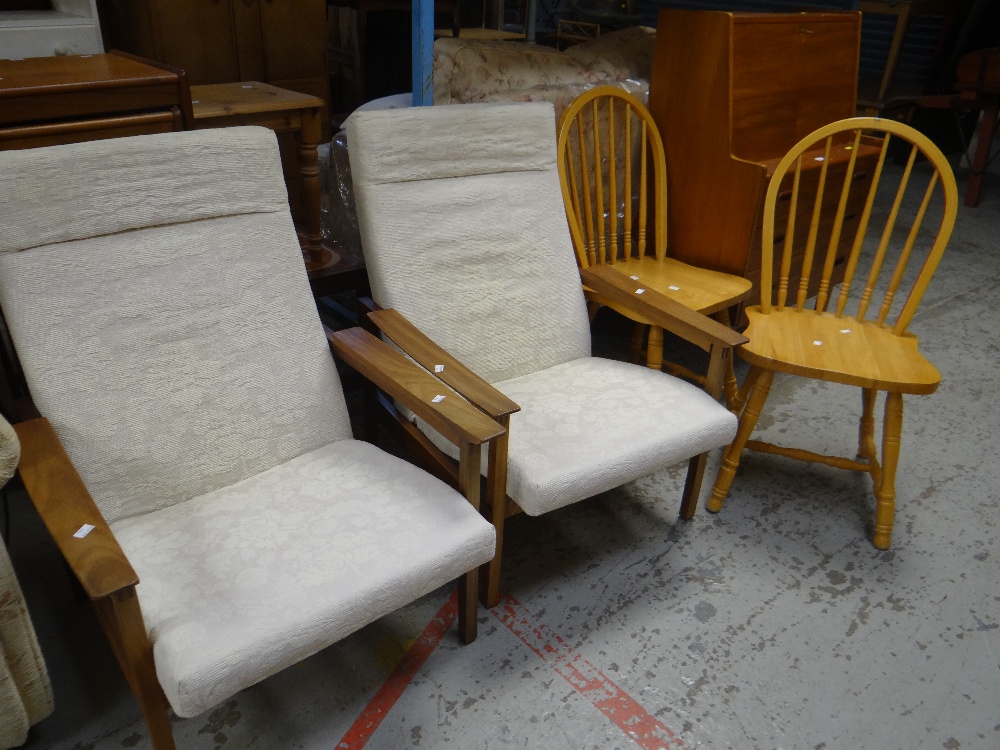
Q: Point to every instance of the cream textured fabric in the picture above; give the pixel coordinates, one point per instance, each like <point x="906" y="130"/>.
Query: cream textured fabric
<point x="458" y="232"/>
<point x="206" y="362"/>
<point x="25" y="691"/>
<point x="464" y="232"/>
<point x="129" y="183"/>
<point x="184" y="367"/>
<point x="290" y="561"/>
<point x="592" y="424"/>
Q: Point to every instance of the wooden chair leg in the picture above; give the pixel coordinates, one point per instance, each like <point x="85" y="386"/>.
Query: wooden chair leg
<point x="692" y="486"/>
<point x="654" y="348"/>
<point x="885" y="493"/>
<point x="592" y="309"/>
<point x="496" y="494"/>
<point x="751" y="413"/>
<point x="121" y="619"/>
<point x="468" y="603"/>
<point x="469" y="467"/>
<point x="866" y="428"/>
<point x="635" y="345"/>
<point x="729" y="386"/>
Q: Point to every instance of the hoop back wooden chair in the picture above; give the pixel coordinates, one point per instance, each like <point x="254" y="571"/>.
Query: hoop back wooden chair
<point x="464" y="234"/>
<point x="191" y="452"/>
<point x="614" y="183"/>
<point x="857" y="335"/>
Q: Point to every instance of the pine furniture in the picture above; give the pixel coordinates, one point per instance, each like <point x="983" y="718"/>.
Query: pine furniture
<point x="614" y="184"/>
<point x="857" y="335"/>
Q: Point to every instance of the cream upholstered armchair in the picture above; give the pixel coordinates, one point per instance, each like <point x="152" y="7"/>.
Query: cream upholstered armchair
<point x="194" y="459"/>
<point x="25" y="690"/>
<point x="466" y="242"/>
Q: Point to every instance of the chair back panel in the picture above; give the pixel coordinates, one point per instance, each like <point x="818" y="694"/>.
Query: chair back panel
<point x="472" y="246"/>
<point x="890" y="258"/>
<point x="613" y="173"/>
<point x="121" y="184"/>
<point x="174" y="359"/>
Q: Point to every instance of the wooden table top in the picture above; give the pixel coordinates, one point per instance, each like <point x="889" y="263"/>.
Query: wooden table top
<point x="246" y="98"/>
<point x="65" y="74"/>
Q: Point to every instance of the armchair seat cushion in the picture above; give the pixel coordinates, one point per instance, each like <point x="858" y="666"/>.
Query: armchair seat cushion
<point x="592" y="424"/>
<point x="239" y="583"/>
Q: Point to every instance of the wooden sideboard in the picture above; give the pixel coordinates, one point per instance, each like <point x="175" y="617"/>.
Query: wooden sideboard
<point x="731" y="93"/>
<point x="45" y="101"/>
<point x="281" y="42"/>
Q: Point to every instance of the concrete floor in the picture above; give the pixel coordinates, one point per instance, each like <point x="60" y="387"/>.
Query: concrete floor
<point x="774" y="624"/>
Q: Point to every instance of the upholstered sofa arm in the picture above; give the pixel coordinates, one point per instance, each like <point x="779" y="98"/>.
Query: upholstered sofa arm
<point x="67" y="508"/>
<point x="432" y="400"/>
<point x="425" y="351"/>
<point x="659" y="309"/>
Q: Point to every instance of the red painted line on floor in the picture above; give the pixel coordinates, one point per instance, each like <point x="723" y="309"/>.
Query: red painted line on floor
<point x="383" y="701"/>
<point x="625" y="712"/>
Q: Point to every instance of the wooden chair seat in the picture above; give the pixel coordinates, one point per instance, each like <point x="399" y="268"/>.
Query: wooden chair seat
<point x="698" y="289"/>
<point x="840" y="350"/>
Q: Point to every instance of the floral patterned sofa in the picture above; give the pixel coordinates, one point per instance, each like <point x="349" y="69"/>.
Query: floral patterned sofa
<point x="469" y="70"/>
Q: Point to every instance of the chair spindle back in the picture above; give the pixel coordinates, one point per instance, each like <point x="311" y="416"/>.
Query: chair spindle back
<point x="853" y="170"/>
<point x="607" y="139"/>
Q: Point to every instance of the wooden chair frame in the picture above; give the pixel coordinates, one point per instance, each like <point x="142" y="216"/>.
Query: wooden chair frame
<point x="783" y="307"/>
<point x="716" y="339"/>
<point x="108" y="579"/>
<point x="593" y="200"/>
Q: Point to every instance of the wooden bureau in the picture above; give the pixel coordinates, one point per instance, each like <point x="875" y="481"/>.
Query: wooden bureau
<point x="731" y="93"/>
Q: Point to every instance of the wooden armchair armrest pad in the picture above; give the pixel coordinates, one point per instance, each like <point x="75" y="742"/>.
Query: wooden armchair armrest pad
<point x="424" y="350"/>
<point x="415" y="388"/>
<point x="659" y="309"/>
<point x="65" y="506"/>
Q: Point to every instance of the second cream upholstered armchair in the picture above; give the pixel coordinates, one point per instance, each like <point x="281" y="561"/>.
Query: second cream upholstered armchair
<point x="193" y="457"/>
<point x="465" y="238"/>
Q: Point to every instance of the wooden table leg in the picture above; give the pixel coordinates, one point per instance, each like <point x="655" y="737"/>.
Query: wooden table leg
<point x="309" y="136"/>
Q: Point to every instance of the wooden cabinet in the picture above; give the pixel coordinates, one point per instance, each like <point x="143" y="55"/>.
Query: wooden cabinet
<point x="281" y="42"/>
<point x="731" y="93"/>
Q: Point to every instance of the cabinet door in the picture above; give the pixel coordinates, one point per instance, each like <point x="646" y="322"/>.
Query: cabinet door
<point x="196" y="35"/>
<point x="249" y="40"/>
<point x="294" y="37"/>
<point x="791" y="74"/>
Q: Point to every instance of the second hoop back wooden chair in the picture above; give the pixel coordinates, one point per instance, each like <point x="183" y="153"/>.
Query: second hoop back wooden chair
<point x="614" y="183"/>
<point x="857" y="335"/>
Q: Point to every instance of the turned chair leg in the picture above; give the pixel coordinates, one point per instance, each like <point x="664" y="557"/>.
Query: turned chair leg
<point x="729" y="386"/>
<point x="731" y="459"/>
<point x="866" y="428"/>
<point x="654" y="348"/>
<point x="885" y="492"/>
<point x="635" y="344"/>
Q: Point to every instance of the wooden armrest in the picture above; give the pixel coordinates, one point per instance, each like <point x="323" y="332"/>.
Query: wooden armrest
<point x="415" y="388"/>
<point x="659" y="309"/>
<point x="65" y="506"/>
<point x="424" y="350"/>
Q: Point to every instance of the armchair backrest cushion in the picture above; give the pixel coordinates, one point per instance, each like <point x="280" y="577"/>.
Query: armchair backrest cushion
<point x="464" y="231"/>
<point x="156" y="295"/>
